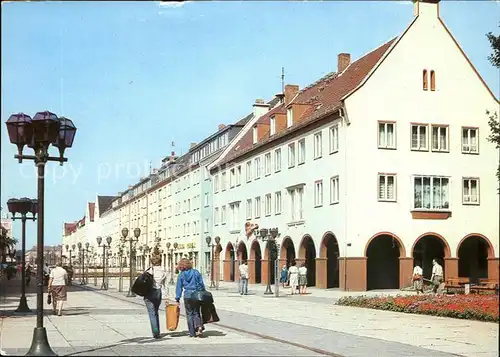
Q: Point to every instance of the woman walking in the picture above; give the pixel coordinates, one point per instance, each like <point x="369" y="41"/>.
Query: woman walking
<point x="58" y="278"/>
<point x="190" y="280"/>
<point x="293" y="273"/>
<point x="302" y="279"/>
<point x="153" y="299"/>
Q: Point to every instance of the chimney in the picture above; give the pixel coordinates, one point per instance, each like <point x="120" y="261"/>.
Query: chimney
<point x="221" y="126"/>
<point x="291" y="91"/>
<point x="343" y="61"/>
<point x="426" y="7"/>
<point x="260" y="108"/>
<point x="193" y="145"/>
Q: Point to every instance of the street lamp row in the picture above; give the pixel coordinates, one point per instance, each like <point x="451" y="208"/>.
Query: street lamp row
<point x="39" y="133"/>
<point x="269" y="236"/>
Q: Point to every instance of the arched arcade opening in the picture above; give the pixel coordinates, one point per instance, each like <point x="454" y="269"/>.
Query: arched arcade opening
<point x="382" y="267"/>
<point x="307" y="252"/>
<point x="287" y="251"/>
<point x="230" y="262"/>
<point x="473" y="253"/>
<point x="329" y="249"/>
<point x="427" y="247"/>
<point x="256" y="256"/>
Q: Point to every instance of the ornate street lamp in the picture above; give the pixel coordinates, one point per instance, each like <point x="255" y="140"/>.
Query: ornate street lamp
<point x="86" y="272"/>
<point x="269" y="236"/>
<point x="132" y="242"/>
<point x="82" y="278"/>
<point x="211" y="245"/>
<point x="104" y="286"/>
<point x="23" y="206"/>
<point x="39" y="133"/>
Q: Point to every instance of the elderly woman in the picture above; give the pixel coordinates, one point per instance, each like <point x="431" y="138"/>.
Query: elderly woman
<point x="190" y="281"/>
<point x="58" y="279"/>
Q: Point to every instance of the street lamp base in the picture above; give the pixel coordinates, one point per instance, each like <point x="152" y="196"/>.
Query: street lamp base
<point x="23" y="305"/>
<point x="268" y="290"/>
<point x="40" y="344"/>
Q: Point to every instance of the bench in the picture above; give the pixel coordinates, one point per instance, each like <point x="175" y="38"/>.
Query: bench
<point x="456" y="285"/>
<point x="485" y="286"/>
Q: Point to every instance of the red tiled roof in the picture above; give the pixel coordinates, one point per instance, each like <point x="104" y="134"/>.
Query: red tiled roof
<point x="91" y="211"/>
<point x="324" y="97"/>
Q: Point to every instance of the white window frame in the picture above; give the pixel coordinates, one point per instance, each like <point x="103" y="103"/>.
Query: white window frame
<point x="318" y="193"/>
<point x="216" y="183"/>
<point x="268" y="205"/>
<point x="318" y="145"/>
<point x="223" y="181"/>
<point x="238" y="175"/>
<point x="384" y="133"/>
<point x="223" y="218"/>
<point x="257" y="207"/>
<point x="249" y="171"/>
<point x="289" y="117"/>
<point x="206" y="199"/>
<point x="235" y="215"/>
<point x="296" y="204"/>
<point x="419" y="146"/>
<point x="291" y="155"/>
<point x="216" y="216"/>
<point x="432" y="206"/>
<point x="334" y="190"/>
<point x="249" y="208"/>
<point x="384" y="197"/>
<point x="232" y="178"/>
<point x="255" y="134"/>
<point x="467" y="147"/>
<point x="277" y="160"/>
<point x="440" y="129"/>
<point x="272" y="125"/>
<point x="469" y="199"/>
<point x="334" y="138"/>
<point x="277" y="202"/>
<point x="302" y="151"/>
<point x="257" y="172"/>
<point x="267" y="164"/>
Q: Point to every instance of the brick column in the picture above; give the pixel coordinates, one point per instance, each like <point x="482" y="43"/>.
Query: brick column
<point x="356" y="273"/>
<point x="227" y="270"/>
<point x="450" y="268"/>
<point x="405" y="272"/>
<point x="251" y="271"/>
<point x="321" y="273"/>
<point x="282" y="262"/>
<point x="236" y="270"/>
<point x="216" y="270"/>
<point x="264" y="271"/>
<point x="493" y="265"/>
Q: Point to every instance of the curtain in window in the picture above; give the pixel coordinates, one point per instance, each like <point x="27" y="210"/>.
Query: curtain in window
<point x="381" y="135"/>
<point x="445" y="193"/>
<point x="473" y="140"/>
<point x="473" y="191"/>
<point x="435" y="138"/>
<point x="300" y="192"/>
<point x="426" y="198"/>
<point x="436" y="192"/>
<point x="466" y="191"/>
<point x="414" y="136"/>
<point x="422" y="137"/>
<point x="390" y="187"/>
<point x="418" y="193"/>
<point x="382" y="188"/>
<point x="390" y="135"/>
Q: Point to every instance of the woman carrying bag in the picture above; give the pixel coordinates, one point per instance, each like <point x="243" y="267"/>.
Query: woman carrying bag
<point x="153" y="298"/>
<point x="191" y="281"/>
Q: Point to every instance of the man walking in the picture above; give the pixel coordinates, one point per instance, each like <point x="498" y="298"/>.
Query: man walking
<point x="437" y="277"/>
<point x="243" y="278"/>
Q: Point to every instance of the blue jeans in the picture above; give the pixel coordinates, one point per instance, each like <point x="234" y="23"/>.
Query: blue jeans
<point x="153" y="301"/>
<point x="193" y="315"/>
<point x="243" y="286"/>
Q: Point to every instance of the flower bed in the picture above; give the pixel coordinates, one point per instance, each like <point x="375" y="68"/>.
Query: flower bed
<point x="472" y="307"/>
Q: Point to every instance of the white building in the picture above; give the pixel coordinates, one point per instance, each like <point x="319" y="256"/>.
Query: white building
<point x="371" y="168"/>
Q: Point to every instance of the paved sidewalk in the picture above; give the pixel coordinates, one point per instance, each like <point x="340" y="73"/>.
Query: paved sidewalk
<point x="96" y="324"/>
<point x="355" y="325"/>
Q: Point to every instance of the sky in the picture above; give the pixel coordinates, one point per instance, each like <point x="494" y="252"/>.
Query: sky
<point x="136" y="76"/>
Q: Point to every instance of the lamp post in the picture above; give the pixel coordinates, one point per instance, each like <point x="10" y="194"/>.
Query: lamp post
<point x="211" y="245"/>
<point x="82" y="278"/>
<point x="86" y="269"/>
<point x="132" y="241"/>
<point x="67" y="250"/>
<point x="39" y="133"/>
<point x="23" y="206"/>
<point x="269" y="236"/>
<point x="120" y="260"/>
<point x="104" y="286"/>
<point x="171" y="261"/>
<point x="146" y="251"/>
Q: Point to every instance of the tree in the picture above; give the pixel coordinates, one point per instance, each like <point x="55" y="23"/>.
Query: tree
<point x="7" y="243"/>
<point x="494" y="121"/>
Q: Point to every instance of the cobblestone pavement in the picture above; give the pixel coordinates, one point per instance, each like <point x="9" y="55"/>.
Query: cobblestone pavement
<point x="107" y="323"/>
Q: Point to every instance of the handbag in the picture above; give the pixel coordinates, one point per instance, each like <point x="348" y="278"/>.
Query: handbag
<point x="203" y="296"/>
<point x="209" y="314"/>
<point x="143" y="284"/>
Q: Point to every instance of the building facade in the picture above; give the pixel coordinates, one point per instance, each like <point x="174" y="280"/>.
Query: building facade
<point x="369" y="170"/>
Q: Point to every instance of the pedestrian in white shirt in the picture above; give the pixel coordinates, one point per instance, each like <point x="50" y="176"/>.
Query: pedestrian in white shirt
<point x="244" y="278"/>
<point x="418" y="279"/>
<point x="58" y="279"/>
<point x="437" y="276"/>
<point x="153" y="300"/>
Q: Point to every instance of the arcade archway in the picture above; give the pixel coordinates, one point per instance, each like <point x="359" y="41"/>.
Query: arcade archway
<point x="382" y="267"/>
<point x="307" y="251"/>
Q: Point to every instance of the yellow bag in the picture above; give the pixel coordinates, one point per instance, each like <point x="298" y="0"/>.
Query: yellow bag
<point x="172" y="312"/>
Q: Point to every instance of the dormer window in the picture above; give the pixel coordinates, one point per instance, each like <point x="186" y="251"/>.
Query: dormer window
<point x="289" y="117"/>
<point x="254" y="133"/>
<point x="273" y="126"/>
